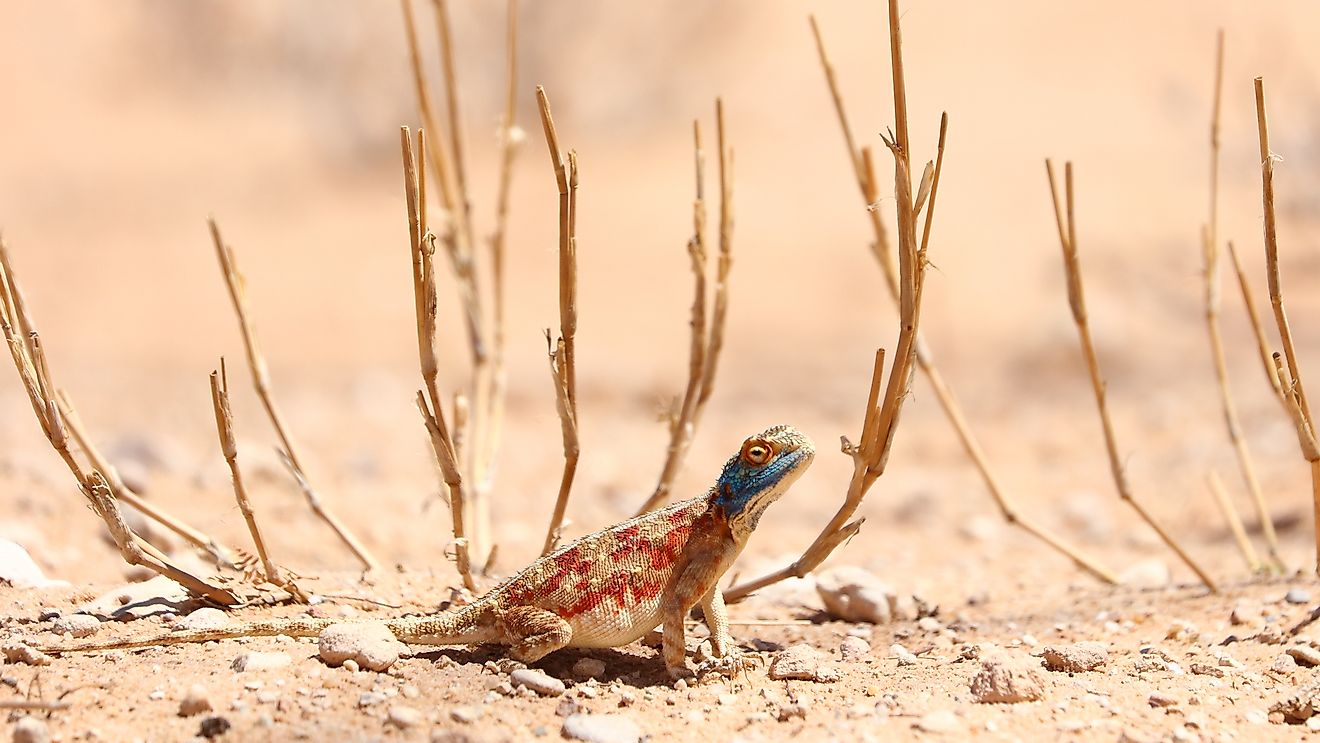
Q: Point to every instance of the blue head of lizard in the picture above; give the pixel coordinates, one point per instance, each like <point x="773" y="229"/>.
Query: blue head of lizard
<point x="760" y="473"/>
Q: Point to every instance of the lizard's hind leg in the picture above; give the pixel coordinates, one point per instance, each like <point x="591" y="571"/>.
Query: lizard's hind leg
<point x="533" y="633"/>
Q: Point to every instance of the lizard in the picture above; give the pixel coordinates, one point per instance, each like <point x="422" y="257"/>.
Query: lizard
<point x="604" y="589"/>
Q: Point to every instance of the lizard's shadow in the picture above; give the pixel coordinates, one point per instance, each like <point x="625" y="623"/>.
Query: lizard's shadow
<point x="631" y="669"/>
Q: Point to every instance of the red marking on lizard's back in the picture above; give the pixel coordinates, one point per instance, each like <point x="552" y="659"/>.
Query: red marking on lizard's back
<point x="625" y="588"/>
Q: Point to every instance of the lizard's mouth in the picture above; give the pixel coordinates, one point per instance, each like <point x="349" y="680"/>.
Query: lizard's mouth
<point x="797" y="463"/>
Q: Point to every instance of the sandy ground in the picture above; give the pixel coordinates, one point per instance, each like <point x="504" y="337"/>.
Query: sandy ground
<point x="125" y="126"/>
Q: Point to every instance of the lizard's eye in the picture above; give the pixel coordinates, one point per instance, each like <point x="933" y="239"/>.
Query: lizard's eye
<point x="757" y="453"/>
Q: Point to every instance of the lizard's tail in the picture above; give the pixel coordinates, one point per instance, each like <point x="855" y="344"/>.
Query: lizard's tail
<point x="294" y="627"/>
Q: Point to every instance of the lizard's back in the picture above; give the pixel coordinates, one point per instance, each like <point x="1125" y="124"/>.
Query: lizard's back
<point x="608" y="585"/>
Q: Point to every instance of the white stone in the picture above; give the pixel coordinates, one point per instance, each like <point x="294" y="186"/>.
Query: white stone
<point x="369" y="644"/>
<point x="602" y="728"/>
<point x="546" y="686"/>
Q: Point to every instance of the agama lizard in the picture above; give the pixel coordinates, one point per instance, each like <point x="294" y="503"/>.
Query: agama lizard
<point x="605" y="589"/>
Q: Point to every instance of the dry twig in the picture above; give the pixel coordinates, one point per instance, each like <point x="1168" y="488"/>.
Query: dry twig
<point x="1233" y="520"/>
<point x="563" y="367"/>
<point x="1077" y="302"/>
<point x="1210" y="248"/>
<point x="864" y="170"/>
<point x="429" y="403"/>
<point x="510" y="139"/>
<point x="121" y="492"/>
<point x="30" y="361"/>
<point x="707" y="337"/>
<point x="224" y="426"/>
<point x="1287" y="371"/>
<point x="261" y="383"/>
<point x="881" y="417"/>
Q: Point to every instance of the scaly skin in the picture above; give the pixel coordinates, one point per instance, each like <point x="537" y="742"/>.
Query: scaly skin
<point x="605" y="589"/>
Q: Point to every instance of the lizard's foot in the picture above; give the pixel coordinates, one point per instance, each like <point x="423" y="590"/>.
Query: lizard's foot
<point x="730" y="664"/>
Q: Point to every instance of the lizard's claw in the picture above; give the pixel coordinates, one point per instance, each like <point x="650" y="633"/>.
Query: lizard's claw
<point x="729" y="664"/>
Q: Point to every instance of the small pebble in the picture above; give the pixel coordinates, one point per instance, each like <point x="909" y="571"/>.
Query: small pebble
<point x="201" y="619"/>
<point x="1075" y="658"/>
<point x="156" y="695"/>
<point x="904" y="656"/>
<point x="1284" y="664"/>
<point x="587" y="668"/>
<point x="1297" y="596"/>
<point x="465" y="715"/>
<point x="370" y="699"/>
<point x="1160" y="699"/>
<point x="17" y="652"/>
<point x="370" y="644"/>
<point x="1305" y="655"/>
<point x="602" y="728"/>
<point x="802" y="661"/>
<point x="404" y="717"/>
<point x="939" y="721"/>
<point x="255" y="661"/>
<point x="1205" y="669"/>
<point x="48" y="613"/>
<point x="213" y="726"/>
<point x="76" y="625"/>
<point x="541" y="683"/>
<point x="998" y="681"/>
<point x="854" y="648"/>
<point x="30" y="730"/>
<point x="195" y="702"/>
<point x="351" y="666"/>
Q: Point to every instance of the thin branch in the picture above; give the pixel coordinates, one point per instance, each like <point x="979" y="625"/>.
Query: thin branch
<point x="463" y="204"/>
<point x="563" y="365"/>
<point x="879" y="425"/>
<point x="224" y="426"/>
<point x="30" y="361"/>
<point x="510" y="139"/>
<point x="1067" y="225"/>
<point x="1257" y="327"/>
<point x="424" y="294"/>
<point x="123" y="494"/>
<point x="1289" y="374"/>
<point x="864" y="169"/>
<point x="261" y="383"/>
<point x="682" y="422"/>
<point x="1210" y="248"/>
<point x="568" y="431"/>
<point x="1234" y="521"/>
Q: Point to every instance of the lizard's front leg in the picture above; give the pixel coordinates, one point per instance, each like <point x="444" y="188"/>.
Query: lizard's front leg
<point x="533" y="633"/>
<point x="694" y="582"/>
<point x="717" y="619"/>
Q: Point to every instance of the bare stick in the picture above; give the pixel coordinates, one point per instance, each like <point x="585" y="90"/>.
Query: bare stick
<point x="1210" y="237"/>
<point x="1077" y="301"/>
<point x="261" y="383"/>
<point x="682" y="422"/>
<point x="707" y="338"/>
<point x="423" y="249"/>
<point x="224" y="426"/>
<point x="437" y="154"/>
<point x="568" y="430"/>
<point x="123" y="494"/>
<point x="563" y="367"/>
<point x="464" y="202"/>
<point x="1257" y="327"/>
<point x="510" y="139"/>
<point x="1234" y="521"/>
<point x="864" y="169"/>
<point x="720" y="310"/>
<point x="30" y="361"/>
<point x="1289" y="375"/>
<point x="879" y="424"/>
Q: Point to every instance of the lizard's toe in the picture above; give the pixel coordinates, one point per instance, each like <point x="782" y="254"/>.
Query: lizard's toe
<point x="729" y="664"/>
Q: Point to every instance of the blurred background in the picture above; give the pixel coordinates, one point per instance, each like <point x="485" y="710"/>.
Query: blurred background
<point x="126" y="124"/>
